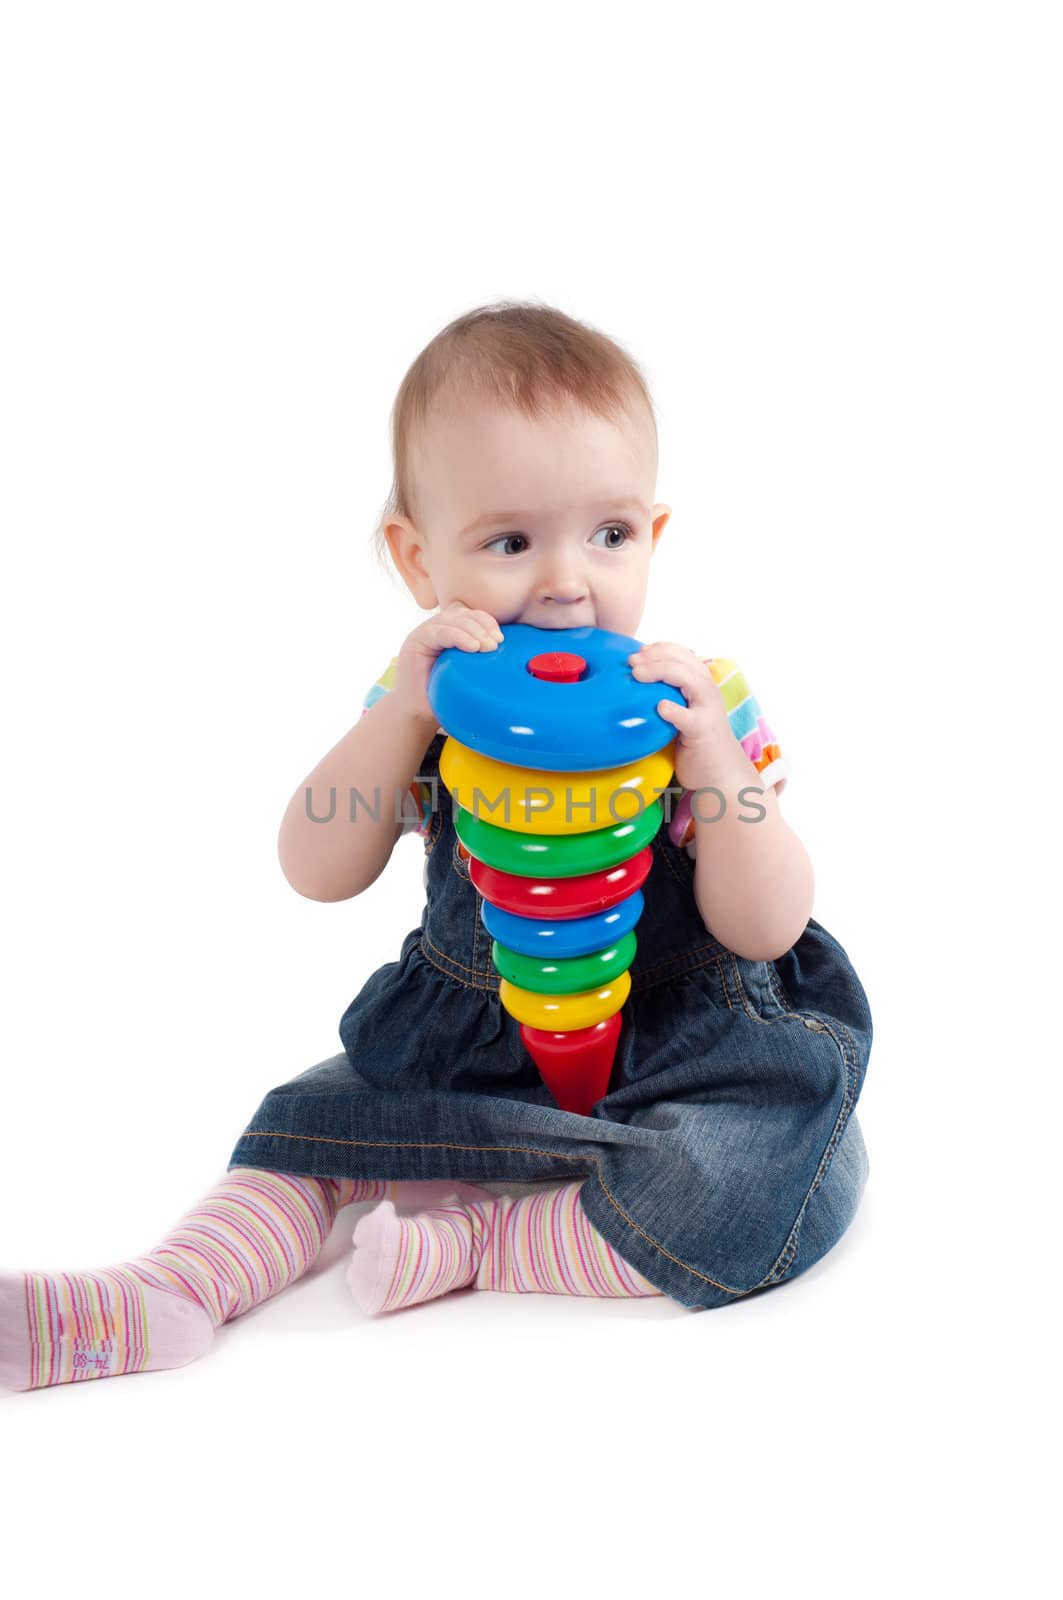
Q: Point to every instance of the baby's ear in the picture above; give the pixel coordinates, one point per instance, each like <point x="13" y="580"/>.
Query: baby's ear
<point x="407" y="552"/>
<point x="659" y="515"/>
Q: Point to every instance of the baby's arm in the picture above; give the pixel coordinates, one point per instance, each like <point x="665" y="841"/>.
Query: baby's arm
<point x="336" y="859"/>
<point x="753" y="881"/>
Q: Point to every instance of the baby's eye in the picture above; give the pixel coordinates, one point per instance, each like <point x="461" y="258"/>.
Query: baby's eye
<point x="504" y="538"/>
<point x="616" y="527"/>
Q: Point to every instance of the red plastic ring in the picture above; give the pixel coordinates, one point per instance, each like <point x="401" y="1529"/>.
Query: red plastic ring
<point x="561" y="897"/>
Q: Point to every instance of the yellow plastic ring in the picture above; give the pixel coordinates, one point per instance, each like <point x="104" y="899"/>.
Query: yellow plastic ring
<point x="563" y="1012"/>
<point x="529" y="800"/>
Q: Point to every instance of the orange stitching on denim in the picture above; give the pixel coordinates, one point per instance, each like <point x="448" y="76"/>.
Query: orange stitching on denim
<point x="483" y="969"/>
<point x="458" y="862"/>
<point x="453" y="959"/>
<point x="791" y="1014"/>
<point x="695" y="950"/>
<point x="638" y="987"/>
<point x="683" y="956"/>
<point x="632" y="1224"/>
<point x="723" y="983"/>
<point x="782" y="995"/>
<point x="469" y="983"/>
<point x="743" y="997"/>
<point x="789" y="1251"/>
<point x="481" y="934"/>
<point x="445" y="962"/>
<point x="489" y="1149"/>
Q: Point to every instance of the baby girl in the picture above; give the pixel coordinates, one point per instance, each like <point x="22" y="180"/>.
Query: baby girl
<point x="725" y="1157"/>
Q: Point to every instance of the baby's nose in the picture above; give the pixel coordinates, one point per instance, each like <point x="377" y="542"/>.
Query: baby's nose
<point x="562" y="587"/>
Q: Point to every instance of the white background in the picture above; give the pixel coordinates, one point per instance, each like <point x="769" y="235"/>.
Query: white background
<point x="831" y="236"/>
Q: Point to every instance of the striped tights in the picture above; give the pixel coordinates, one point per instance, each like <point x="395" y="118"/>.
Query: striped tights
<point x="258" y="1231"/>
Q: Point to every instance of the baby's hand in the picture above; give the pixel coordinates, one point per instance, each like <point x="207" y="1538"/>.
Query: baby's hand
<point x="455" y="625"/>
<point x="704" y="741"/>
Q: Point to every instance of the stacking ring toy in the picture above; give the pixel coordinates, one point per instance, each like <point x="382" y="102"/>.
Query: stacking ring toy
<point x="496" y="704"/>
<point x="550" y="802"/>
<point x="577" y="937"/>
<point x="535" y="855"/>
<point x="565" y="1012"/>
<point x="561" y="897"/>
<point x="568" y="976"/>
<point x="554" y="760"/>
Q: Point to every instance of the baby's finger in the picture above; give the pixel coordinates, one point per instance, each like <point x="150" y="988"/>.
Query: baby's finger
<point x="680" y="715"/>
<point x="659" y="645"/>
<point x="654" y="657"/>
<point x="480" y="622"/>
<point x="448" y="634"/>
<point x="483" y="632"/>
<point x="489" y="622"/>
<point x="684" y="673"/>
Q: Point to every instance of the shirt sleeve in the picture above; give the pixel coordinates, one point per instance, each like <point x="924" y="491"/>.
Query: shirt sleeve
<point x="417" y="800"/>
<point x="753" y="732"/>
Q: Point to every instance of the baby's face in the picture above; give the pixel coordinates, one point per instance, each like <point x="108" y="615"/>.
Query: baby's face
<point x="548" y="521"/>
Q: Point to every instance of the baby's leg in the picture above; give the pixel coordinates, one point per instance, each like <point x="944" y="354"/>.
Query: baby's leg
<point x="250" y="1237"/>
<point x="538" y="1243"/>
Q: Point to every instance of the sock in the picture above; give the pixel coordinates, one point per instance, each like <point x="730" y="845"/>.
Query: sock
<point x="538" y="1243"/>
<point x="251" y="1236"/>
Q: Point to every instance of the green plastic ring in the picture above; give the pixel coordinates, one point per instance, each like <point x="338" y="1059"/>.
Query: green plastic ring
<point x="566" y="976"/>
<point x="556" y="855"/>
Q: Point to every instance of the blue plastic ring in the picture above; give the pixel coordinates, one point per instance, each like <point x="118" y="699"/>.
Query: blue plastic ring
<point x="489" y="701"/>
<point x="576" y="936"/>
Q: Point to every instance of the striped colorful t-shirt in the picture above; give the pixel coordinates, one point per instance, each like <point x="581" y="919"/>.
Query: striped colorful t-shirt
<point x="748" y="724"/>
<point x="753" y="732"/>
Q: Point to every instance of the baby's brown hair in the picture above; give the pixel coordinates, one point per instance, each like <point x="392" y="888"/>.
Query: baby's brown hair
<point x="518" y="353"/>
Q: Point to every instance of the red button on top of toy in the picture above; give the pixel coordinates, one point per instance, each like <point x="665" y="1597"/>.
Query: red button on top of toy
<point x="557" y="666"/>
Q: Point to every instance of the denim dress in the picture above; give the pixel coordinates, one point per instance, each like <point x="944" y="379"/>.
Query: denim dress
<point x="725" y="1157"/>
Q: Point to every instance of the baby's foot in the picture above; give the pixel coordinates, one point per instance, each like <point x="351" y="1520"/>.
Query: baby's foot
<point x="538" y="1243"/>
<point x="64" y="1327"/>
<point x="402" y="1261"/>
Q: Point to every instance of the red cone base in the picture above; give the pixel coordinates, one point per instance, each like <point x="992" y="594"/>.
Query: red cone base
<point x="575" y="1066"/>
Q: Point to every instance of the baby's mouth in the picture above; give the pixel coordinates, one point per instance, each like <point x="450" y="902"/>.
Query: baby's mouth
<point x="559" y="619"/>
